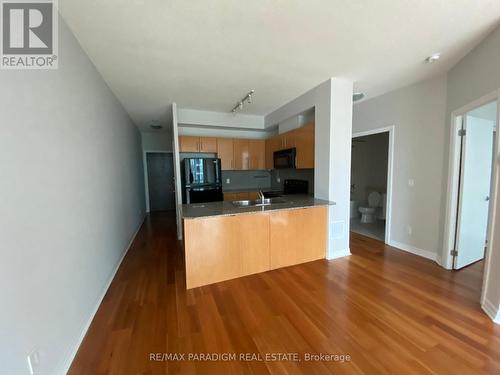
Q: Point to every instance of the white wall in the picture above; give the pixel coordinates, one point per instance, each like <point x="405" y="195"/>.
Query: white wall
<point x="332" y="101"/>
<point x="71" y="199"/>
<point x="418" y="114"/>
<point x="475" y="76"/>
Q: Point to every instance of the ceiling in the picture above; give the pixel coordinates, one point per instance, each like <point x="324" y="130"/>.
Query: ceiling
<point x="208" y="54"/>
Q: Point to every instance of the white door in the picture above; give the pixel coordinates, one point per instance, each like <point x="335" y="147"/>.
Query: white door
<point x="475" y="183"/>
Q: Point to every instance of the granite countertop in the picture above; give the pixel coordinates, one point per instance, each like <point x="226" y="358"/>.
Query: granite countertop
<point x="203" y="210"/>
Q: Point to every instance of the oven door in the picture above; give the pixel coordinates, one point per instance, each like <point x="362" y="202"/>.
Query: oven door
<point x="284" y="159"/>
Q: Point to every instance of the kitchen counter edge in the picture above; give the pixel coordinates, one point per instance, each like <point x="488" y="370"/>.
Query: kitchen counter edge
<point x="213" y="209"/>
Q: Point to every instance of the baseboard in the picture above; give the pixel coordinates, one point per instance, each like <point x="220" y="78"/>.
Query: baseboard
<point x="414" y="250"/>
<point x="339" y="254"/>
<point x="71" y="356"/>
<point x="491" y="311"/>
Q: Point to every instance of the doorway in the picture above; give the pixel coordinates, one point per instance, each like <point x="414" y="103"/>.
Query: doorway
<point x="371" y="182"/>
<point x="160" y="178"/>
<point x="476" y="130"/>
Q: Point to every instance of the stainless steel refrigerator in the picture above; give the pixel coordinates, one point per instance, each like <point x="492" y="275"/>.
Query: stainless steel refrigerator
<point x="202" y="180"/>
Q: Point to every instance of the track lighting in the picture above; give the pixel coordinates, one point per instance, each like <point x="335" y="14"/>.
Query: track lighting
<point x="247" y="99"/>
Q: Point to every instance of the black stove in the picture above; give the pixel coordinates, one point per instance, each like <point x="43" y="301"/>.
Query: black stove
<point x="289" y="187"/>
<point x="295" y="187"/>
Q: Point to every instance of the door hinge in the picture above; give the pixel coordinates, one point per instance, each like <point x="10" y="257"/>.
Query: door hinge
<point x="454" y="253"/>
<point x="462" y="132"/>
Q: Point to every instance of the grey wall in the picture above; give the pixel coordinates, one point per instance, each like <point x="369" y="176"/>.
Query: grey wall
<point x="476" y="75"/>
<point x="418" y="114"/>
<point x="71" y="199"/>
<point x="157" y="141"/>
<point x="369" y="166"/>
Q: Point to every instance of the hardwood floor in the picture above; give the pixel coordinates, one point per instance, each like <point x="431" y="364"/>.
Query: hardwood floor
<point x="390" y="311"/>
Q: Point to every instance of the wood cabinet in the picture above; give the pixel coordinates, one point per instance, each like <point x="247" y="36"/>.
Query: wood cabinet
<point x="225" y="247"/>
<point x="241" y="154"/>
<point x="240" y="196"/>
<point x="208" y="144"/>
<point x="297" y="236"/>
<point x="189" y="144"/>
<point x="225" y="153"/>
<point x="245" y="153"/>
<point x="256" y="154"/>
<point x="197" y="144"/>
<point x="302" y="139"/>
<point x="272" y="144"/>
<point x="253" y="195"/>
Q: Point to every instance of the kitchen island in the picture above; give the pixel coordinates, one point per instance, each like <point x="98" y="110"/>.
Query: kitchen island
<point x="224" y="240"/>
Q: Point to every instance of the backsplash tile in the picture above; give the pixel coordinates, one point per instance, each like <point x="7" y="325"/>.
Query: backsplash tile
<point x="246" y="179"/>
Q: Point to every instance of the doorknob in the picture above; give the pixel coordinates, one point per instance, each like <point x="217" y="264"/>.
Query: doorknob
<point x="487" y="199"/>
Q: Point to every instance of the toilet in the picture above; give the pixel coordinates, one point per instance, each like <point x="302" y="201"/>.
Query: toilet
<point x="368" y="213"/>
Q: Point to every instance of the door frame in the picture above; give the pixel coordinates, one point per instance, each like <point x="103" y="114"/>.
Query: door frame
<point x="390" y="168"/>
<point x="145" y="167"/>
<point x="453" y="186"/>
<point x="453" y="190"/>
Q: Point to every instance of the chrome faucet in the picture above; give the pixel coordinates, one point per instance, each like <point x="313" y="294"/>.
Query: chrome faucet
<point x="261" y="196"/>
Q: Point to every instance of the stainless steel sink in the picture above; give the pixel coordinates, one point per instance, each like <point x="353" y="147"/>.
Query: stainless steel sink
<point x="259" y="202"/>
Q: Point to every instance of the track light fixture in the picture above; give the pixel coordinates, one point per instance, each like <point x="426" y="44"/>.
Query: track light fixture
<point x="247" y="99"/>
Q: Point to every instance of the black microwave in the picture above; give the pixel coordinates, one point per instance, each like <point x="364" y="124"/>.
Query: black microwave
<point x="284" y="159"/>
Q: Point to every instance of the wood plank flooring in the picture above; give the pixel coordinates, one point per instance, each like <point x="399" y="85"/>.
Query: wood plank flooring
<point x="390" y="311"/>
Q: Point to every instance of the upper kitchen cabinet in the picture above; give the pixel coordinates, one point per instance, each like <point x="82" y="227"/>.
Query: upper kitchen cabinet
<point x="197" y="144"/>
<point x="225" y="153"/>
<point x="241" y="154"/>
<point x="257" y="151"/>
<point x="189" y="144"/>
<point x="272" y="144"/>
<point x="303" y="139"/>
<point x="208" y="144"/>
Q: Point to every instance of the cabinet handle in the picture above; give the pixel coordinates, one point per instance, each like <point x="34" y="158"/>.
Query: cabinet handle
<point x="200" y="145"/>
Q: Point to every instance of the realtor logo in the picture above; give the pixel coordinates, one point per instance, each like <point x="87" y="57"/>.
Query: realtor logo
<point x="29" y="34"/>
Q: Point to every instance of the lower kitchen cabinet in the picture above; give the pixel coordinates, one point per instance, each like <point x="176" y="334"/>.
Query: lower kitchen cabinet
<point x="297" y="236"/>
<point x="220" y="248"/>
<point x="225" y="247"/>
<point x="243" y="195"/>
<point x="235" y="196"/>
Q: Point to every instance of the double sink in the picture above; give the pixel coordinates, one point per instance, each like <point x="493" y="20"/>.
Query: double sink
<point x="259" y="202"/>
